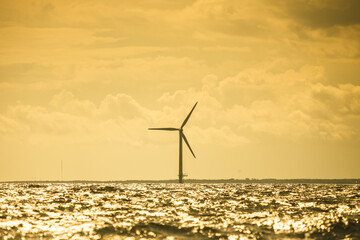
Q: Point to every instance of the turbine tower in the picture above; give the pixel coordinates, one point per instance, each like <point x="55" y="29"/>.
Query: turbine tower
<point x="181" y="137"/>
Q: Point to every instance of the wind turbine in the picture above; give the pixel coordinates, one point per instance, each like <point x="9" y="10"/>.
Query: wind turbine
<point x="181" y="137"/>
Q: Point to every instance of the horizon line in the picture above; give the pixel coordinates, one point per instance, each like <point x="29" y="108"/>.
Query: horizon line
<point x="204" y="180"/>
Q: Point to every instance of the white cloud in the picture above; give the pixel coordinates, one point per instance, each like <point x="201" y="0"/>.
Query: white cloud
<point x="288" y="104"/>
<point x="65" y="101"/>
<point x="292" y="104"/>
<point x="121" y="105"/>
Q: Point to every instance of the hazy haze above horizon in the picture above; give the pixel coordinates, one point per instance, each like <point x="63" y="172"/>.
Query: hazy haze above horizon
<point x="278" y="86"/>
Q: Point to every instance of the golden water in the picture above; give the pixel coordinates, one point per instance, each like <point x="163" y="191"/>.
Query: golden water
<point x="175" y="211"/>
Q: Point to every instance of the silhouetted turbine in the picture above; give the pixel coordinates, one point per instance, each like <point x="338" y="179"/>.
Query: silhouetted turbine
<point x="181" y="137"/>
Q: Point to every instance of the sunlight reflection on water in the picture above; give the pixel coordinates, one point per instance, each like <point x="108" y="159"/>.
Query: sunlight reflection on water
<point x="188" y="211"/>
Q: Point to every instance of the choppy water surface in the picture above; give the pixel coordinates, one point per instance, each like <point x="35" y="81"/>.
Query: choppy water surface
<point x="174" y="211"/>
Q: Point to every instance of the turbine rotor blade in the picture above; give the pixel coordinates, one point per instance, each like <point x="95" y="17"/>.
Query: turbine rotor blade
<point x="187" y="143"/>
<point x="165" y="129"/>
<point x="188" y="116"/>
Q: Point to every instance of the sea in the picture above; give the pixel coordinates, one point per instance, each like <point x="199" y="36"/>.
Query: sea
<point x="179" y="211"/>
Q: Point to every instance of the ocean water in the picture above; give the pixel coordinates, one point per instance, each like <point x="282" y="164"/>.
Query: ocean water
<point x="175" y="211"/>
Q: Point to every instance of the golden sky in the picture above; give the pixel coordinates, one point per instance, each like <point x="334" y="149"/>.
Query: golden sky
<point x="278" y="85"/>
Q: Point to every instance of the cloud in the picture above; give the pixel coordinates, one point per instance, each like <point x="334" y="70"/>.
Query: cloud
<point x="9" y="125"/>
<point x="343" y="100"/>
<point x="128" y="47"/>
<point x="322" y="14"/>
<point x="39" y="120"/>
<point x="121" y="105"/>
<point x="117" y="118"/>
<point x="233" y="110"/>
<point x="65" y="101"/>
<point x="263" y="62"/>
<point x="289" y="104"/>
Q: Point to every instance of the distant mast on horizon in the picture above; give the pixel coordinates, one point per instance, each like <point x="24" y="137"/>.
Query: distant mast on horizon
<point x="181" y="137"/>
<point x="62" y="170"/>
